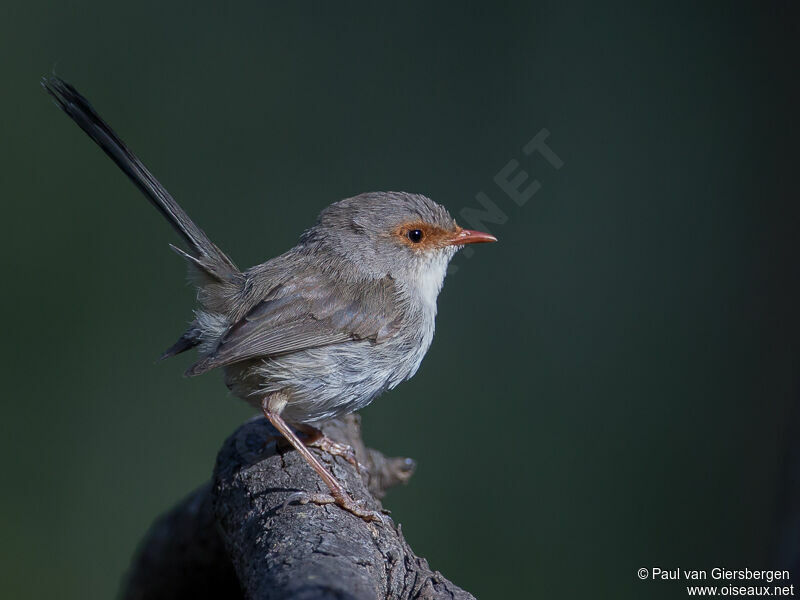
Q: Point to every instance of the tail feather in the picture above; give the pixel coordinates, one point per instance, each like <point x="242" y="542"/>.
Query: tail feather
<point x="204" y="253"/>
<point x="187" y="341"/>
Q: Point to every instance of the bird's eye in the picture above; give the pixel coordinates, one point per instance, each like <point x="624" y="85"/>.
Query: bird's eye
<point x="415" y="235"/>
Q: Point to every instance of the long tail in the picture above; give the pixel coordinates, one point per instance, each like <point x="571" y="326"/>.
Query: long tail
<point x="204" y="254"/>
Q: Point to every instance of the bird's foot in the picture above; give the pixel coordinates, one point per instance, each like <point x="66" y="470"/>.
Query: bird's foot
<point x="333" y="448"/>
<point x="316" y="439"/>
<point x="344" y="501"/>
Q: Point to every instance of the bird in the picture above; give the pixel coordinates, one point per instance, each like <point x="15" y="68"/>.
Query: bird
<point x="321" y="330"/>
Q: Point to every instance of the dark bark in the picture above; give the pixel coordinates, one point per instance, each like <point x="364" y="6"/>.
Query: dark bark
<point x="183" y="556"/>
<point x="235" y="538"/>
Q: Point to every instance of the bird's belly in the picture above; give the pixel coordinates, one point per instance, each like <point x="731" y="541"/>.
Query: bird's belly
<point x="330" y="381"/>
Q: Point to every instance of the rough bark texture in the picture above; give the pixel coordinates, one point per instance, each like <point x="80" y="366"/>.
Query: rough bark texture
<point x="234" y="538"/>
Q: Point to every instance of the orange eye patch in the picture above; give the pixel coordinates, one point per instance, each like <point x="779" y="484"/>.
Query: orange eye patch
<point x="419" y="235"/>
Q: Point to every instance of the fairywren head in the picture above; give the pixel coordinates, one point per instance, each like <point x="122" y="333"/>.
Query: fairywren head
<point x="407" y="236"/>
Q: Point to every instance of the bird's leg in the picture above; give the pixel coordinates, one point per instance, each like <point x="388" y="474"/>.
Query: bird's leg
<point x="316" y="439"/>
<point x="272" y="407"/>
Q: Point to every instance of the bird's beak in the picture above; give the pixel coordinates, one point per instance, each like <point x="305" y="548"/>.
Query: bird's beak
<point x="470" y="236"/>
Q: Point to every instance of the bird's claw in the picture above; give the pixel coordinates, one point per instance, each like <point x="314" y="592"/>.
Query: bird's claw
<point x="354" y="507"/>
<point x="337" y="449"/>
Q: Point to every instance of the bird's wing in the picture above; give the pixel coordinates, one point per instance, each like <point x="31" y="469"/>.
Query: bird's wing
<point x="307" y="312"/>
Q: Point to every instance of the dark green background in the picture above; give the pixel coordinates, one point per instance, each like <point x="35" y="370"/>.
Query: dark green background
<point x="611" y="385"/>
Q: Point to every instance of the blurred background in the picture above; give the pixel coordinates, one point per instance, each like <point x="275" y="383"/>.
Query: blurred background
<point x="612" y="386"/>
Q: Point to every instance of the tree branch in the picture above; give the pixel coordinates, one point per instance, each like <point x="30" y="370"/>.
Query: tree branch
<point x="234" y="538"/>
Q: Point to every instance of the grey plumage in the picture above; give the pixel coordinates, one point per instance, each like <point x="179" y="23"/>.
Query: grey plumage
<point x="332" y="334"/>
<point x="323" y="329"/>
<point x="344" y="315"/>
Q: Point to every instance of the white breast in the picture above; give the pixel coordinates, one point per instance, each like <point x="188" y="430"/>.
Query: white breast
<point x="426" y="285"/>
<point x="430" y="278"/>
